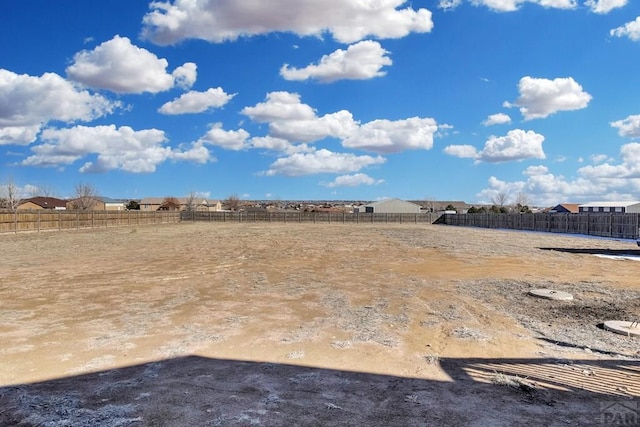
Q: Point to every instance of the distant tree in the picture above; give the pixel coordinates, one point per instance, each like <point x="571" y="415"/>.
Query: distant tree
<point x="472" y="210"/>
<point x="500" y="199"/>
<point x="191" y="202"/>
<point x="482" y="209"/>
<point x="429" y="204"/>
<point x="85" y="197"/>
<point x="522" y="203"/>
<point x="133" y="205"/>
<point x="522" y="199"/>
<point x="170" y="204"/>
<point x="450" y="207"/>
<point x="232" y="202"/>
<point x="10" y="195"/>
<point x="43" y="190"/>
<point x="498" y="209"/>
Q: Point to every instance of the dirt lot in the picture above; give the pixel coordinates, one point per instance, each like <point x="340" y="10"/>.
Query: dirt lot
<point x="315" y="324"/>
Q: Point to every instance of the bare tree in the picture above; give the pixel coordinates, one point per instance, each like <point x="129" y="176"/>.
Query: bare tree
<point x="232" y="202"/>
<point x="522" y="199"/>
<point x="191" y="201"/>
<point x="85" y="197"/>
<point x="170" y="204"/>
<point x="429" y="204"/>
<point x="521" y="203"/>
<point x="10" y="195"/>
<point x="43" y="190"/>
<point x="500" y="199"/>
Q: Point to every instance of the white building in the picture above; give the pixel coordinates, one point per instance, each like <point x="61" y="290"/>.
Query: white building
<point x="389" y="206"/>
<point x="610" y="207"/>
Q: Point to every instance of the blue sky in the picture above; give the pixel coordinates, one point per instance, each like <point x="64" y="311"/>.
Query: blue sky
<point x="323" y="99"/>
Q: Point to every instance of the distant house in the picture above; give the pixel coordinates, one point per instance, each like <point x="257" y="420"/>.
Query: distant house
<point x="42" y="203"/>
<point x="113" y="204"/>
<point x="389" y="206"/>
<point x="565" y="208"/>
<point x="185" y="203"/>
<point x="97" y="203"/>
<point x="214" y="205"/>
<point x="610" y="207"/>
<point x="151" y="203"/>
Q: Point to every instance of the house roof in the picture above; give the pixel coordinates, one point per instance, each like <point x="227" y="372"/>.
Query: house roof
<point x="385" y="201"/>
<point x="110" y="200"/>
<point x="571" y="207"/>
<point x="609" y="204"/>
<point x="152" y="201"/>
<point x="181" y="200"/>
<point x="47" y="202"/>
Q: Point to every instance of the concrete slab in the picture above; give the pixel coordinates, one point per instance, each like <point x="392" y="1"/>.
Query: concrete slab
<point x="623" y="327"/>
<point x="551" y="294"/>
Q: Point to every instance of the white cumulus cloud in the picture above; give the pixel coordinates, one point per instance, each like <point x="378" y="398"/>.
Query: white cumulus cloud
<point x="606" y="181"/>
<point x="604" y="6"/>
<point x="630" y="29"/>
<point x="497" y="119"/>
<point x="629" y="167"/>
<point x="196" y="153"/>
<point x="536" y="170"/>
<point x="185" y="75"/>
<point x="280" y="106"/>
<point x="540" y="97"/>
<point x="516" y="145"/>
<point x="361" y="61"/>
<point x="291" y="120"/>
<point x="338" y="125"/>
<point x="596" y="6"/>
<point x="348" y="21"/>
<point x="463" y="151"/>
<point x="629" y="126"/>
<point x="29" y="102"/>
<point x="386" y="136"/>
<point x="354" y="180"/>
<point x="449" y="4"/>
<point x="119" y="66"/>
<point x="197" y="102"/>
<point x="598" y="158"/>
<point x="115" y="148"/>
<point x="294" y="121"/>
<point x="321" y="161"/>
<point x="278" y="144"/>
<point x="229" y="139"/>
<point x="513" y="5"/>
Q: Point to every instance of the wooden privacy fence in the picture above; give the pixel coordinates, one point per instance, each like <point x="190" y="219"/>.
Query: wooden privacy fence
<point x="309" y="217"/>
<point x="43" y="220"/>
<point x="616" y="225"/>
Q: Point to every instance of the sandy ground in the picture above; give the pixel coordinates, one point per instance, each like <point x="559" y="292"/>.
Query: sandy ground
<point x="315" y="324"/>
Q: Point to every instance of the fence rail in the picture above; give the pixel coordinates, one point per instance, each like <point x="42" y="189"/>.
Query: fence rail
<point x="44" y="220"/>
<point x="615" y="225"/>
<point x="309" y="217"/>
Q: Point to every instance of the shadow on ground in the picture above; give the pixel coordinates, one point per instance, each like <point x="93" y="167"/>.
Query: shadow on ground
<point x="597" y="251"/>
<point x="198" y="391"/>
